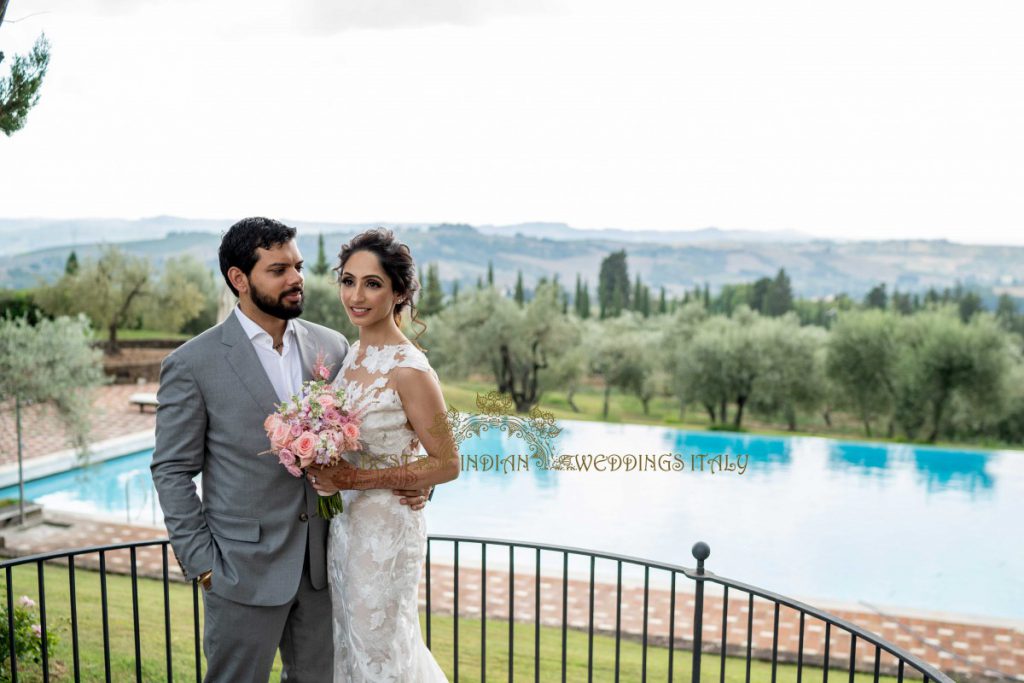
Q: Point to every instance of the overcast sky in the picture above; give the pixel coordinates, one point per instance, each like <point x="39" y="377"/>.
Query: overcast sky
<point x="857" y="120"/>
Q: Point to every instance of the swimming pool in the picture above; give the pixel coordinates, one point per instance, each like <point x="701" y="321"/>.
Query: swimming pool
<point x="890" y="525"/>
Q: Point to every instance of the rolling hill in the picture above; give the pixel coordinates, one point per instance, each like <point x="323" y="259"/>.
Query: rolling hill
<point x="675" y="260"/>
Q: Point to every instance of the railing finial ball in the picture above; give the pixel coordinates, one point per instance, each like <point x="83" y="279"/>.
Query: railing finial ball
<point x="701" y="551"/>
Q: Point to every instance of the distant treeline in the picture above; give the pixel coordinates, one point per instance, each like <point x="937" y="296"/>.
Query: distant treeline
<point x="922" y="366"/>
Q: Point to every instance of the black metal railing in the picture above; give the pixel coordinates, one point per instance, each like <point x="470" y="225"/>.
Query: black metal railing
<point x="696" y="643"/>
<point x="689" y="639"/>
<point x="96" y="559"/>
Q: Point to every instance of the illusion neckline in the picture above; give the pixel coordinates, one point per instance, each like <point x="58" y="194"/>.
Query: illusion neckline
<point x="359" y="343"/>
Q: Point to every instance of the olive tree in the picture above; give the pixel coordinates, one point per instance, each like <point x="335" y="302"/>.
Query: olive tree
<point x="614" y="355"/>
<point x="678" y="331"/>
<point x="703" y="369"/>
<point x="50" y="363"/>
<point x="943" y="361"/>
<point x="111" y="290"/>
<point x="790" y="379"/>
<point x="861" y="359"/>
<point x="517" y="345"/>
<point x="186" y="289"/>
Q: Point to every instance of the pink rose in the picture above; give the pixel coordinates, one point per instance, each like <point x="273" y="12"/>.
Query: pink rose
<point x="326" y="401"/>
<point x="281" y="437"/>
<point x="333" y="416"/>
<point x="305" y="448"/>
<point x="323" y="372"/>
<point x="286" y="457"/>
<point x="271" y="423"/>
<point x="351" y="434"/>
<point x="296" y="430"/>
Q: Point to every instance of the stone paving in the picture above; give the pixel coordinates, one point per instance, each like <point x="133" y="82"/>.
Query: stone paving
<point x="43" y="433"/>
<point x="967" y="647"/>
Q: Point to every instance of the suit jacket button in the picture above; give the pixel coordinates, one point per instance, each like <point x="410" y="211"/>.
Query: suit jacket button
<point x="303" y="517"/>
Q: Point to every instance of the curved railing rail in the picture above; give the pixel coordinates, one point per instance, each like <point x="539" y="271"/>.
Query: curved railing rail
<point x="691" y="640"/>
<point x="901" y="664"/>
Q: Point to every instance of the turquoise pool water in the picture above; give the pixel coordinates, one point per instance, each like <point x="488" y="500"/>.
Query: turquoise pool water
<point x="889" y="525"/>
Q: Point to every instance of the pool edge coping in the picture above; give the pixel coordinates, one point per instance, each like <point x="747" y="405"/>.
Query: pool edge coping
<point x="62" y="461"/>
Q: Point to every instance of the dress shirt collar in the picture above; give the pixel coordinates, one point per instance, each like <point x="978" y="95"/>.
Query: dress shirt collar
<point x="252" y="330"/>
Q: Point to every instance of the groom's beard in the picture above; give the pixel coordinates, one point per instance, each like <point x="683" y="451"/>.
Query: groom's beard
<point x="277" y="307"/>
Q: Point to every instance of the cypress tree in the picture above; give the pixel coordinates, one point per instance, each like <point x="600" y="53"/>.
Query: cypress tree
<point x="779" y="298"/>
<point x="320" y="267"/>
<point x="432" y="300"/>
<point x="613" y="284"/>
<point x="578" y="296"/>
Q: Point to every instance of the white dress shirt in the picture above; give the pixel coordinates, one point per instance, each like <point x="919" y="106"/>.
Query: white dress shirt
<point x="283" y="369"/>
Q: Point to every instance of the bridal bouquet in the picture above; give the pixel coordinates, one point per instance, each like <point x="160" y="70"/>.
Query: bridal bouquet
<point x="313" y="428"/>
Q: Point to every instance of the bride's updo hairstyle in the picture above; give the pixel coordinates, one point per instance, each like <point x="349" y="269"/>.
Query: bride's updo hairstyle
<point x="397" y="263"/>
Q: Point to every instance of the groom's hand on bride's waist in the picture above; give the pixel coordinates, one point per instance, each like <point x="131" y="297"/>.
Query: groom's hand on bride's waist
<point x="416" y="499"/>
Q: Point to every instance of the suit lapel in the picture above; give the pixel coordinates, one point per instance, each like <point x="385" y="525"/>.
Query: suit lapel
<point x="309" y="349"/>
<point x="246" y="364"/>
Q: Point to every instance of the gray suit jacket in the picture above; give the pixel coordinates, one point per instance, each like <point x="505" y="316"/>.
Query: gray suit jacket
<point x="253" y="523"/>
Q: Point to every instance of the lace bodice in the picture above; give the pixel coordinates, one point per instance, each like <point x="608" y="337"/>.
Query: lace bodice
<point x="369" y="387"/>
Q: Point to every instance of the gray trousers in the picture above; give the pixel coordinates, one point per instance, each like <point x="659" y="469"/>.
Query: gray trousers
<point x="240" y="641"/>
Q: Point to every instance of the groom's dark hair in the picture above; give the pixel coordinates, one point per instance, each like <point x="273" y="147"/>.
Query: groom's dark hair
<point x="239" y="244"/>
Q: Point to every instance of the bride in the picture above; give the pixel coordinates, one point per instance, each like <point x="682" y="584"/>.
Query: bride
<point x="377" y="547"/>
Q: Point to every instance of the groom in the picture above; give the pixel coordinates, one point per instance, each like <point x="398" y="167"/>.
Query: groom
<point x="254" y="541"/>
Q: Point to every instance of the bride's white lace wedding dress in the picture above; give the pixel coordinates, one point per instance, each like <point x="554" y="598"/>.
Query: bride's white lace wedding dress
<point x="377" y="546"/>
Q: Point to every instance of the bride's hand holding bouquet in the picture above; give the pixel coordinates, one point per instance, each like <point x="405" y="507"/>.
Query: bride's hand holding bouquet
<point x="313" y="429"/>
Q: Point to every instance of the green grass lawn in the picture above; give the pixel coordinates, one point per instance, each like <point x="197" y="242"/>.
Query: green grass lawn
<point x="120" y="621"/>
<point x="151" y="620"/>
<point x="135" y="335"/>
<point x="630" y="667"/>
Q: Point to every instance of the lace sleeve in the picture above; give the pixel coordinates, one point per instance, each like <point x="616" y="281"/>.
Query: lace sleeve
<point x="414" y="358"/>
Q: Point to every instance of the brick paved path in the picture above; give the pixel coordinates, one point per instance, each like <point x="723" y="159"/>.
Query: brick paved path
<point x="43" y="433"/>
